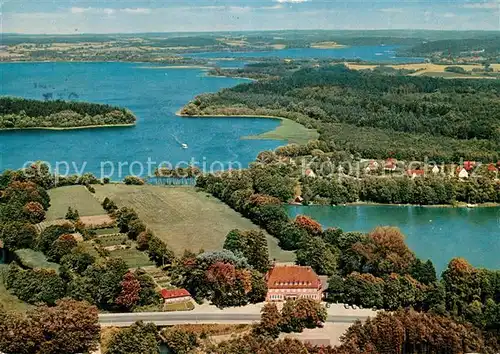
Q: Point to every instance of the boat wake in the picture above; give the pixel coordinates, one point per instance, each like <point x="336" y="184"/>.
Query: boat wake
<point x="183" y="145"/>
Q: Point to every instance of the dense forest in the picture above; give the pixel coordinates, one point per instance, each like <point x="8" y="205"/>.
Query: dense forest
<point x="485" y="47"/>
<point x="26" y="113"/>
<point x="356" y="108"/>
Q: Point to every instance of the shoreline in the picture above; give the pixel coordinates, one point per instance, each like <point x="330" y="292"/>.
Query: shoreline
<point x="328" y="46"/>
<point x="230" y="77"/>
<point x="459" y="205"/>
<point x="72" y="128"/>
<point x="179" y="114"/>
<point x="288" y="130"/>
<point x="201" y="67"/>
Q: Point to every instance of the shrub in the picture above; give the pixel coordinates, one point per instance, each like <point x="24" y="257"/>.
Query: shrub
<point x="90" y="188"/>
<point x="133" y="180"/>
<point x="72" y="215"/>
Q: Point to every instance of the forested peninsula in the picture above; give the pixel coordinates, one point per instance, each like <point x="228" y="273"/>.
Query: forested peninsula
<point x="375" y="115"/>
<point x="20" y="113"/>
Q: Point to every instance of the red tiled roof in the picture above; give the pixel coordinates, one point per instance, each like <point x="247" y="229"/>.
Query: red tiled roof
<point x="390" y="164"/>
<point x="175" y="293"/>
<point x="416" y="172"/>
<point x="292" y="277"/>
<point x="491" y="167"/>
<point x="469" y="165"/>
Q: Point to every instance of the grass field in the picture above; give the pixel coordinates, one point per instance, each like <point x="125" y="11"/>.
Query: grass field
<point x="108" y="231"/>
<point x="35" y="259"/>
<point x="289" y="130"/>
<point x="133" y="257"/>
<point x="183" y="217"/>
<point x="181" y="306"/>
<point x="112" y="239"/>
<point x="76" y="197"/>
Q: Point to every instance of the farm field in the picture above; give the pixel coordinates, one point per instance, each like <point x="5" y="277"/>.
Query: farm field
<point x="76" y="197"/>
<point x="133" y="257"/>
<point x="184" y="217"/>
<point x="429" y="69"/>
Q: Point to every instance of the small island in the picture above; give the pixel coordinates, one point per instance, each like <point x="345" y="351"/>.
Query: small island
<point x="327" y="45"/>
<point x="20" y="113"/>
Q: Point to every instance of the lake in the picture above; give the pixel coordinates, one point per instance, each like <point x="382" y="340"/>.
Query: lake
<point x="154" y="95"/>
<point x="386" y="54"/>
<point x="432" y="233"/>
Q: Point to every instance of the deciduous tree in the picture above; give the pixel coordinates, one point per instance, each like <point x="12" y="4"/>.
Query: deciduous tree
<point x="61" y="247"/>
<point x="180" y="341"/>
<point x="302" y="313"/>
<point x="139" y="338"/>
<point x="312" y="227"/>
<point x="17" y="235"/>
<point x="34" y="212"/>
<point x="270" y="321"/>
<point x="131" y="289"/>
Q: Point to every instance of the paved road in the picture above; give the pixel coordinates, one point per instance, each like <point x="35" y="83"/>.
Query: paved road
<point x="173" y="318"/>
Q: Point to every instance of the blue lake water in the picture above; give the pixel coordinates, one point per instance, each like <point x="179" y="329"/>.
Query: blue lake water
<point x="367" y="53"/>
<point x="439" y="234"/>
<point x="154" y="95"/>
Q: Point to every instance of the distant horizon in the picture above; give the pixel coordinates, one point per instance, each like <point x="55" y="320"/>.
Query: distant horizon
<point x="251" y="30"/>
<point x="164" y="16"/>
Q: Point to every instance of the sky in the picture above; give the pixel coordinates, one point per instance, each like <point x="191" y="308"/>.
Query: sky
<point x="133" y="16"/>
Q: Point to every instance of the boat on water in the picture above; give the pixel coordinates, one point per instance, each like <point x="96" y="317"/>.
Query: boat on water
<point x="184" y="146"/>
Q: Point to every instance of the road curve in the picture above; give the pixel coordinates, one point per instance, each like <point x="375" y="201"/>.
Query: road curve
<point x="173" y="318"/>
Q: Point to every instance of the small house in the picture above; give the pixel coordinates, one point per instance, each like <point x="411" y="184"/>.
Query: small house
<point x="463" y="173"/>
<point x="372" y="166"/>
<point x="435" y="169"/>
<point x="310" y="173"/>
<point x="175" y="295"/>
<point x="390" y="164"/>
<point x="415" y="173"/>
<point x="492" y="168"/>
<point x="469" y="165"/>
<point x="298" y="199"/>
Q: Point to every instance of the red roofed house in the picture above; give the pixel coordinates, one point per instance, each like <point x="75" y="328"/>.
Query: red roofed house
<point x="390" y="164"/>
<point x="492" y="168"/>
<point x="310" y="173"/>
<point x="292" y="282"/>
<point x="469" y="165"/>
<point x="372" y="166"/>
<point x="415" y="173"/>
<point x="175" y="295"/>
